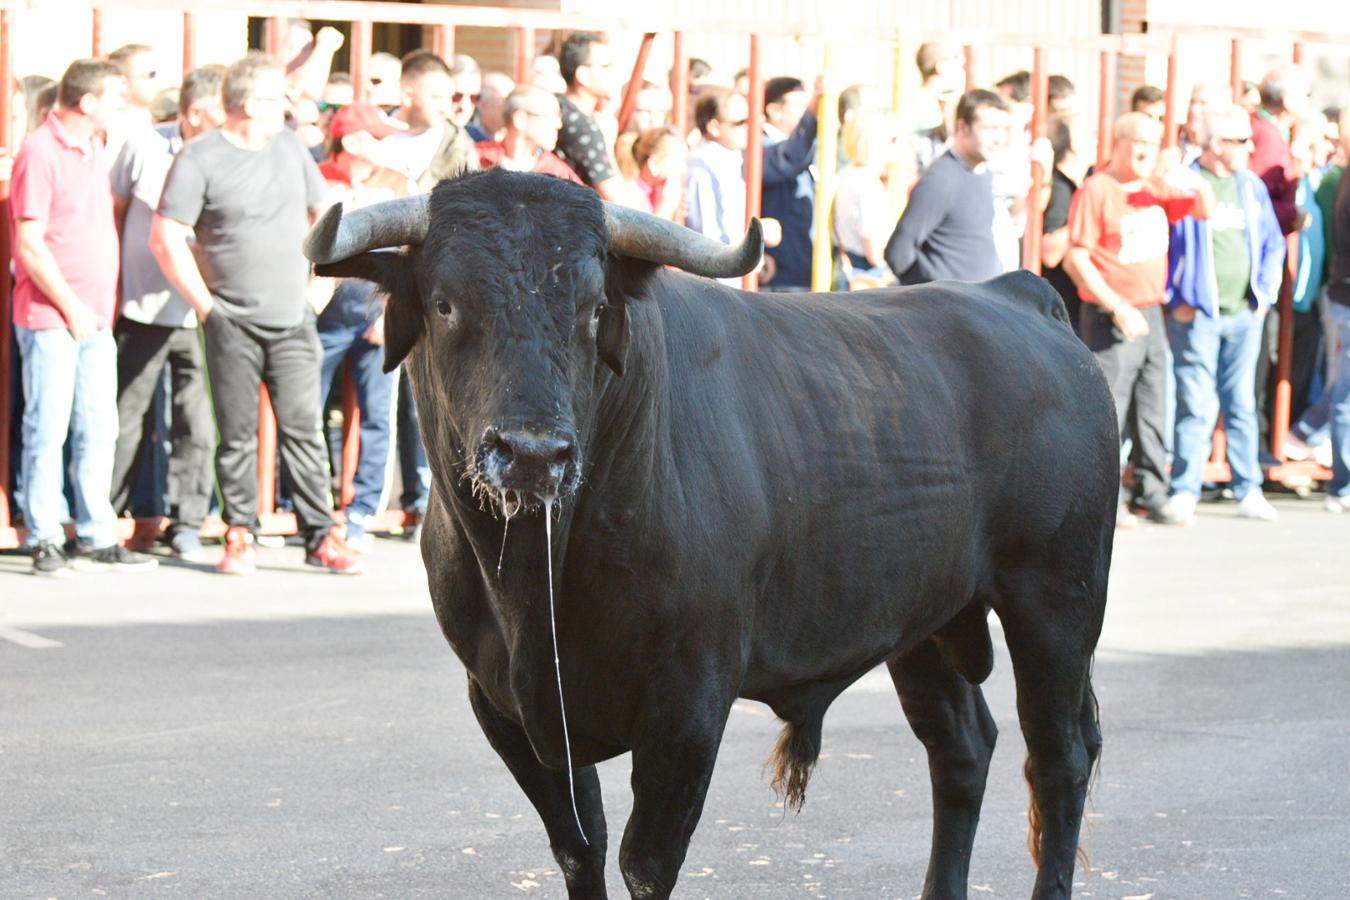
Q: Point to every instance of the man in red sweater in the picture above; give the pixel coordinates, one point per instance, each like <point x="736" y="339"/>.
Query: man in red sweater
<point x="1284" y="101"/>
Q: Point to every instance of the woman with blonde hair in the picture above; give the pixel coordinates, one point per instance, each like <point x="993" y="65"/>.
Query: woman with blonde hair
<point x="863" y="215"/>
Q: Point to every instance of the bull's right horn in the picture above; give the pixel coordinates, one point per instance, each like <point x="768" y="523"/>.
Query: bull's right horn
<point x="341" y="235"/>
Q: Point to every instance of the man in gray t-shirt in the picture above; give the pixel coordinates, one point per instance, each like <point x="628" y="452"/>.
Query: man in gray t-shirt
<point x="247" y="193"/>
<point x="158" y="329"/>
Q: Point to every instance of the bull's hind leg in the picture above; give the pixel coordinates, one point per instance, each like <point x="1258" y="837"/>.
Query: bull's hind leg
<point x="583" y="866"/>
<point x="949" y="715"/>
<point x="1051" y="633"/>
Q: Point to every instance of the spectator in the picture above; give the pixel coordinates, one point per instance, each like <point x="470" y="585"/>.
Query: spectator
<point x="432" y="148"/>
<point x="468" y="78"/>
<point x="1152" y="102"/>
<point x="1010" y="167"/>
<point x="164" y="108"/>
<point x="715" y="186"/>
<point x="351" y="326"/>
<point x="65" y="294"/>
<point x="1310" y="434"/>
<point x="136" y="62"/>
<point x="490" y="117"/>
<point x="532" y="123"/>
<point x="946" y="230"/>
<point x="1338" y="293"/>
<point x="651" y="109"/>
<point x="1062" y="97"/>
<point x="661" y="157"/>
<point x="34" y="97"/>
<point x="700" y="73"/>
<point x="1225" y="275"/>
<point x="1118" y="234"/>
<point x="942" y="69"/>
<point x="384" y="80"/>
<point x="1284" y="101"/>
<point x="545" y="73"/>
<point x="157" y="327"/>
<point x="248" y="192"/>
<point x="1201" y="96"/>
<point x="585" y="63"/>
<point x="1251" y="97"/>
<point x="863" y="217"/>
<point x="309" y="59"/>
<point x="789" y="188"/>
<point x="1069" y="170"/>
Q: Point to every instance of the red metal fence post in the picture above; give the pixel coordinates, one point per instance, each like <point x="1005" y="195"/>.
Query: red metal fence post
<point x="1235" y="69"/>
<point x="361" y="45"/>
<point x="96" y="33"/>
<point x="443" y="41"/>
<point x="1040" y="89"/>
<point x="189" y="42"/>
<point x="6" y="388"/>
<point x="1106" y="106"/>
<point x="524" y="54"/>
<point x="351" y="438"/>
<point x="630" y="92"/>
<point x="679" y="87"/>
<point x="754" y="149"/>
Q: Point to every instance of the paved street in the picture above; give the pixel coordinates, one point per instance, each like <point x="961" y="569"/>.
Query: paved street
<point x="300" y="735"/>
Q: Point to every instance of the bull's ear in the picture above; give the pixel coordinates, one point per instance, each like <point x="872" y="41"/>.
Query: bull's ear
<point x="392" y="272"/>
<point x="611" y="336"/>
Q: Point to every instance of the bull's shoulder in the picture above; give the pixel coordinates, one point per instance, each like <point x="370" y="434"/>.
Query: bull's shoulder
<point x="1027" y="290"/>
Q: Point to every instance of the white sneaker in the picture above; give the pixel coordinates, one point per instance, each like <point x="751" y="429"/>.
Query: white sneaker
<point x="1180" y="508"/>
<point x="1296" y="449"/>
<point x="1256" y="506"/>
<point x="1337" y="504"/>
<point x="1322" y="454"/>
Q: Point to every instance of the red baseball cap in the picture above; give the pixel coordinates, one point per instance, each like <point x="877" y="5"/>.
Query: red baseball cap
<point x="363" y="117"/>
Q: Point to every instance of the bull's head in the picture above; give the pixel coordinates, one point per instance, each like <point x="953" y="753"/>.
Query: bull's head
<point x="507" y="292"/>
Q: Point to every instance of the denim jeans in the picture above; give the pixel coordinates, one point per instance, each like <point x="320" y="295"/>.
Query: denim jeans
<point x="375" y="399"/>
<point x="1314" y="426"/>
<point x="1340" y="405"/>
<point x="412" y="456"/>
<point x="69" y="388"/>
<point x="1215" y="364"/>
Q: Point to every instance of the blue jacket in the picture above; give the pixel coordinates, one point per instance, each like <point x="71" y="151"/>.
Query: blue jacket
<point x="1191" y="279"/>
<point x="789" y="195"/>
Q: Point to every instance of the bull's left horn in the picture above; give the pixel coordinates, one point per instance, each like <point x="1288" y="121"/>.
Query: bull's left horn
<point x="642" y="235"/>
<point x="342" y="234"/>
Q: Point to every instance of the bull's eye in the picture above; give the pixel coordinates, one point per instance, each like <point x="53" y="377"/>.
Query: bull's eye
<point x="443" y="308"/>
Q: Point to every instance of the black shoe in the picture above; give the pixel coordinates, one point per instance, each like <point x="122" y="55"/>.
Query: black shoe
<point x="112" y="558"/>
<point x="48" y="560"/>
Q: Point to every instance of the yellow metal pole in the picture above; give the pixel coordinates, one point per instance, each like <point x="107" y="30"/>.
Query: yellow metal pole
<point x="904" y="87"/>
<point x="827" y="160"/>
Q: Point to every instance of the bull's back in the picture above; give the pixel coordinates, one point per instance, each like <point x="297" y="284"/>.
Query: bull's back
<point x="886" y="447"/>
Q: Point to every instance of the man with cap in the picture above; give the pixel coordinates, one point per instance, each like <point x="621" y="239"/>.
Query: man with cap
<point x="351" y="325"/>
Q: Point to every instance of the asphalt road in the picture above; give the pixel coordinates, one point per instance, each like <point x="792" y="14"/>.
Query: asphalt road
<point x="301" y="735"/>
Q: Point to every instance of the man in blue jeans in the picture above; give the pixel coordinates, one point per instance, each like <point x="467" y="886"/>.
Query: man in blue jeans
<point x="1338" y="293"/>
<point x="1224" y="274"/>
<point x="65" y="290"/>
<point x="351" y="326"/>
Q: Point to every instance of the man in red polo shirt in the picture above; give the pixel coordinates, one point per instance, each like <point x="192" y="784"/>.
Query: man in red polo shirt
<point x="532" y="123"/>
<point x="65" y="297"/>
<point x="1118" y="236"/>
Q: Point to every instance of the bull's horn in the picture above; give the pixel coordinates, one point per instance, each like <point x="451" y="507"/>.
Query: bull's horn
<point x="642" y="235"/>
<point x="341" y="235"/>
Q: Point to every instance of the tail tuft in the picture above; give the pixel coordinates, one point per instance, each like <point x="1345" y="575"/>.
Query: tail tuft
<point x="794" y="757"/>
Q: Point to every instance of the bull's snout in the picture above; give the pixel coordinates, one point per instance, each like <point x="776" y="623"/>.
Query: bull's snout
<point x="528" y="461"/>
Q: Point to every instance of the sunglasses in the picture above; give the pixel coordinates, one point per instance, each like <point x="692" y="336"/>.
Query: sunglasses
<point x="459" y="96"/>
<point x="325" y="106"/>
<point x="1236" y="141"/>
<point x="737" y="123"/>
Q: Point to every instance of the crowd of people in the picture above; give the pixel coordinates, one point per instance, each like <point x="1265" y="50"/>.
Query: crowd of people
<point x="158" y="278"/>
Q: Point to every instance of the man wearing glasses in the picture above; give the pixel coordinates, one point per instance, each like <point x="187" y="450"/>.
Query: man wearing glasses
<point x="1117" y="256"/>
<point x="532" y="123"/>
<point x="248" y="192"/>
<point x="1224" y="276"/>
<point x="715" y="187"/>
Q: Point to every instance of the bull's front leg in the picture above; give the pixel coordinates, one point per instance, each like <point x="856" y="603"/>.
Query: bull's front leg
<point x="583" y="865"/>
<point x="672" y="765"/>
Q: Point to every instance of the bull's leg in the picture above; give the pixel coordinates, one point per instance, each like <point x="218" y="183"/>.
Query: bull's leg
<point x="672" y="766"/>
<point x="1050" y="639"/>
<point x="949" y="715"/>
<point x="582" y="866"/>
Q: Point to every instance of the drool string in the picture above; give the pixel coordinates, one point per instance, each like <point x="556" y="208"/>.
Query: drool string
<point x="557" y="665"/>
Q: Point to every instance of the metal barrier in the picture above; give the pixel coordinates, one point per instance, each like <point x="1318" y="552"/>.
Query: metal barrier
<point x="525" y="24"/>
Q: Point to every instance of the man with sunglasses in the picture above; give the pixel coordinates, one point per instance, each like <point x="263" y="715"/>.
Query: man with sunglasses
<point x="586" y="64"/>
<point x="468" y="78"/>
<point x="532" y="123"/>
<point x="715" y="186"/>
<point x="1224" y="275"/>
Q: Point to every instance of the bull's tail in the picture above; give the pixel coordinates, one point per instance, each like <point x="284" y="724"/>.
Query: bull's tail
<point x="1090" y="724"/>
<point x="794" y="757"/>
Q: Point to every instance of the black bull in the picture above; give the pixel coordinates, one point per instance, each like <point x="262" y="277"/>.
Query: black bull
<point x="759" y="496"/>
